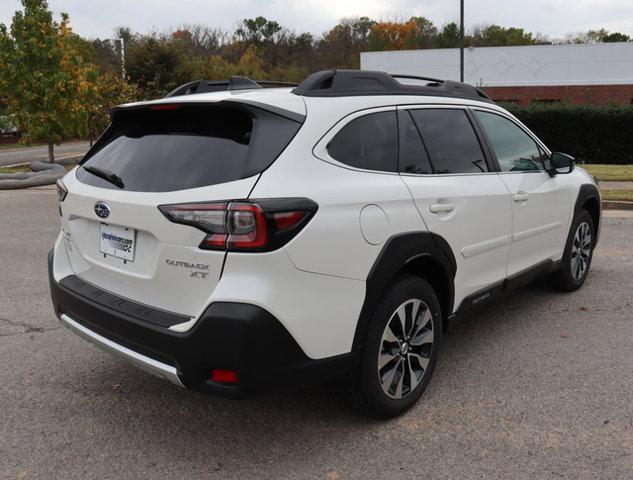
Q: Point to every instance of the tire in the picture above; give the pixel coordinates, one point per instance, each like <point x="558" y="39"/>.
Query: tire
<point x="577" y="257"/>
<point x="407" y="360"/>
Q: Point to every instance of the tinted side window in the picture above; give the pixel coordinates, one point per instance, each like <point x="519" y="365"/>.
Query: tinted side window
<point x="369" y="142"/>
<point x="450" y="140"/>
<point x="515" y="150"/>
<point x="413" y="156"/>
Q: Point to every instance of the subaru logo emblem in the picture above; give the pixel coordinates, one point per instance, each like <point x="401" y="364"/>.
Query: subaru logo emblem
<point x="102" y="210"/>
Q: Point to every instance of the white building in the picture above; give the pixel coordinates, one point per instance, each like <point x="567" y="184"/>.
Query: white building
<point x="598" y="73"/>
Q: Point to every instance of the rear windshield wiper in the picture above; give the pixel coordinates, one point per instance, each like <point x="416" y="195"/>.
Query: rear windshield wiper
<point x="113" y="178"/>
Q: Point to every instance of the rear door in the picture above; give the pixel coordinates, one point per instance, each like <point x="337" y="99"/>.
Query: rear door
<point x="117" y="237"/>
<point x="457" y="193"/>
<point x="540" y="203"/>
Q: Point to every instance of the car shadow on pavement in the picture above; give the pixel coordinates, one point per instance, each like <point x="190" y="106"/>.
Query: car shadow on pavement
<point x="190" y="425"/>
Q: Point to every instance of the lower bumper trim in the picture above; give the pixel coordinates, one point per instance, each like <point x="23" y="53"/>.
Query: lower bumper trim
<point x="147" y="364"/>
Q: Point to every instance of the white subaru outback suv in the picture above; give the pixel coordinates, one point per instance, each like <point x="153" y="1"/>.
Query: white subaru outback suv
<point x="231" y="237"/>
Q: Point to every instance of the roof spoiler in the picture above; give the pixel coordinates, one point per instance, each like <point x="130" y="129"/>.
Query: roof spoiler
<point x="233" y="83"/>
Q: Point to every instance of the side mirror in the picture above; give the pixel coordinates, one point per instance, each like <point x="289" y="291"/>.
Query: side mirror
<point x="559" y="163"/>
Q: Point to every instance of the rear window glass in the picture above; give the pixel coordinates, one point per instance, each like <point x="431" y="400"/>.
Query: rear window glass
<point x="192" y="146"/>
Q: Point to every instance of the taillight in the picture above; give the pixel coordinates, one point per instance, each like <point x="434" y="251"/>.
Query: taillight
<point x="246" y="224"/>
<point x="261" y="225"/>
<point x="285" y="220"/>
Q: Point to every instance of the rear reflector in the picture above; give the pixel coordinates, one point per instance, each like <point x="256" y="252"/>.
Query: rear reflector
<point x="223" y="376"/>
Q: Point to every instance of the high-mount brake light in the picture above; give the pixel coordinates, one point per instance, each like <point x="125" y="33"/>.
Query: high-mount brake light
<point x="244" y="226"/>
<point x="164" y="106"/>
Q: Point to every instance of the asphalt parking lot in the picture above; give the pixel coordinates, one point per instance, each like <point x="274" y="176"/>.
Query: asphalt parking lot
<point x="540" y="386"/>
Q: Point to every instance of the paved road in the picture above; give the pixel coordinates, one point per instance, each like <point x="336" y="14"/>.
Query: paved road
<point x="22" y="155"/>
<point x="538" y="387"/>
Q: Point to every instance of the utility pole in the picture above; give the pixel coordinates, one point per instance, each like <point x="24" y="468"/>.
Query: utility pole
<point x="461" y="40"/>
<point x="120" y="51"/>
<point x="123" y="57"/>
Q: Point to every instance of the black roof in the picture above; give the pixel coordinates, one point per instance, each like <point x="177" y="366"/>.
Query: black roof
<point x="344" y="83"/>
<point x="341" y="83"/>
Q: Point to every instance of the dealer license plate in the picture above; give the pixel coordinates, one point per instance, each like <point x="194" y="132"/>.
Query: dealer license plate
<point x="117" y="241"/>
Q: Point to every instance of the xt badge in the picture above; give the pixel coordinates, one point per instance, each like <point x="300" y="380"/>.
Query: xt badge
<point x="197" y="274"/>
<point x="195" y="269"/>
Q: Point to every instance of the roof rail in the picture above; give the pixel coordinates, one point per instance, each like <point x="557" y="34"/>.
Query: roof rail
<point x="233" y="83"/>
<point x="340" y="83"/>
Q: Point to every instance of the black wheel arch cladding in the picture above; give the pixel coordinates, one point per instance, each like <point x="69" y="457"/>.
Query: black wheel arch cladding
<point x="397" y="254"/>
<point x="589" y="199"/>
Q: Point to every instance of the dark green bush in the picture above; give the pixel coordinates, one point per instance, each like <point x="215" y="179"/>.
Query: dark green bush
<point x="590" y="133"/>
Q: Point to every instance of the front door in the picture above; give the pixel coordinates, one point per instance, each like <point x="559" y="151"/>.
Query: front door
<point x="540" y="203"/>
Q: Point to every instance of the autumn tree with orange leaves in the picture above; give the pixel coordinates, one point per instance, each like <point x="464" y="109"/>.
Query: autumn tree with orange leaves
<point x="47" y="83"/>
<point x="394" y="36"/>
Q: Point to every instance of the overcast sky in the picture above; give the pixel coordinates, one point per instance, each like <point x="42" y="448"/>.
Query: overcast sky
<point x="552" y="17"/>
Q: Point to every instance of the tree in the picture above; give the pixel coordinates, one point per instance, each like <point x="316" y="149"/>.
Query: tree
<point x="590" y="36"/>
<point x="427" y="35"/>
<point x="257" y="31"/>
<point x="496" y="36"/>
<point x="340" y="47"/>
<point x="46" y="80"/>
<point x="449" y="36"/>
<point x="154" y="64"/>
<point x="394" y="36"/>
<point x="616" y="37"/>
<point x="111" y="90"/>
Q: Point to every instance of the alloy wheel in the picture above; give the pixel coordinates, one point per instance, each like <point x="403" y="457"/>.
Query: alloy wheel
<point x="581" y="251"/>
<point x="405" y="348"/>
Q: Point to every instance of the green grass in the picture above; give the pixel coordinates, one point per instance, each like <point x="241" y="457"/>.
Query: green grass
<point x="626" y="195"/>
<point x="611" y="173"/>
<point x="8" y="146"/>
<point x="25" y="168"/>
<point x="21" y="168"/>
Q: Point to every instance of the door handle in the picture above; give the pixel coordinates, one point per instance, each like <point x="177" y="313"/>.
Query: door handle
<point x="520" y="197"/>
<point x="441" y="208"/>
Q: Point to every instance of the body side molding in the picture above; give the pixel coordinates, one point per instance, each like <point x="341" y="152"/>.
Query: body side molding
<point x="535" y="231"/>
<point x="473" y="302"/>
<point x="485" y="246"/>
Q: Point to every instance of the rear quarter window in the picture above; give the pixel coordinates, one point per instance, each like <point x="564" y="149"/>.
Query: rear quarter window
<point x="188" y="147"/>
<point x="369" y="142"/>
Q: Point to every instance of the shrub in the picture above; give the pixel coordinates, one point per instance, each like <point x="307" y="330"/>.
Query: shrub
<point x="592" y="134"/>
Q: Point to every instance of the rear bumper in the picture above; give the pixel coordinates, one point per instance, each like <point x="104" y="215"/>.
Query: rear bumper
<point x="143" y="362"/>
<point x="232" y="336"/>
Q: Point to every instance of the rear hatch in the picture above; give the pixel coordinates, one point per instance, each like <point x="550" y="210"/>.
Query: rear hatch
<point x="159" y="155"/>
